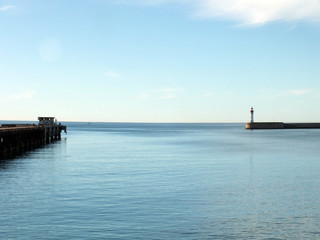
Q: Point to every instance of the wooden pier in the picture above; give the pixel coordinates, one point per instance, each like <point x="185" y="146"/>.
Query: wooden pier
<point x="18" y="138"/>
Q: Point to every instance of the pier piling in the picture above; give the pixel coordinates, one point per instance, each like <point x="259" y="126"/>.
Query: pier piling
<point x="18" y="138"/>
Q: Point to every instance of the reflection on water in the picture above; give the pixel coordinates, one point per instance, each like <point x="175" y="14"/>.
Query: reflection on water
<point x="164" y="181"/>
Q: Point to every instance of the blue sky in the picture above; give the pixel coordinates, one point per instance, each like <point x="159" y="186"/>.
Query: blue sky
<point x="160" y="60"/>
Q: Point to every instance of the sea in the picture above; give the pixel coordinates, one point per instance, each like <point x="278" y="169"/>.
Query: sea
<point x="165" y="181"/>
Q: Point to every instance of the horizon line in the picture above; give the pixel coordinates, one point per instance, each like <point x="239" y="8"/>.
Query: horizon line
<point x="77" y="121"/>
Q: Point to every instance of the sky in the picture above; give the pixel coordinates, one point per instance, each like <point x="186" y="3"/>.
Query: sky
<point x="160" y="60"/>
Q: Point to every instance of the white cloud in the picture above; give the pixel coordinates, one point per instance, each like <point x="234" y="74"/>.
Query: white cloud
<point x="260" y="12"/>
<point x="251" y="12"/>
<point x="6" y="8"/>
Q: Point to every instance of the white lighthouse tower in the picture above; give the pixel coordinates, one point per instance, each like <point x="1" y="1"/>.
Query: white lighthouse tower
<point x="251" y="113"/>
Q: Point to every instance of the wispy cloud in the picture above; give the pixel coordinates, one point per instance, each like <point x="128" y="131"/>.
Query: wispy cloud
<point x="50" y="50"/>
<point x="299" y="92"/>
<point x="112" y="74"/>
<point x="21" y="94"/>
<point x="6" y="8"/>
<point x="165" y="93"/>
<point x="207" y="94"/>
<point x="253" y="12"/>
<point x="285" y="93"/>
<point x="143" y="96"/>
<point x="250" y="12"/>
<point x="168" y="93"/>
<point x="167" y="96"/>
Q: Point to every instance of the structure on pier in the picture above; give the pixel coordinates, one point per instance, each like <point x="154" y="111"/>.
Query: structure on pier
<point x="52" y="130"/>
<point x="251" y="114"/>
<point x="18" y="138"/>
<point x="277" y="125"/>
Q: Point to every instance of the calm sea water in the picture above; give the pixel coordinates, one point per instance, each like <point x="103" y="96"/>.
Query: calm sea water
<point x="165" y="181"/>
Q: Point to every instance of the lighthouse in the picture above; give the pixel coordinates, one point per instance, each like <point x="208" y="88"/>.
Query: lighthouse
<point x="251" y="113"/>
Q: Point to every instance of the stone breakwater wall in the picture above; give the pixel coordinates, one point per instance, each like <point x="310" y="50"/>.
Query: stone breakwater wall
<point x="301" y="125"/>
<point x="264" y="125"/>
<point x="280" y="125"/>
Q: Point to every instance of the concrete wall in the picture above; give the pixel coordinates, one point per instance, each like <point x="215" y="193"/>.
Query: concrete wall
<point x="280" y="125"/>
<point x="264" y="125"/>
<point x="302" y="125"/>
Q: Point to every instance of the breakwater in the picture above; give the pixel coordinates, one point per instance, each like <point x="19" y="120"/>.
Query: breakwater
<point x="18" y="138"/>
<point x="280" y="125"/>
